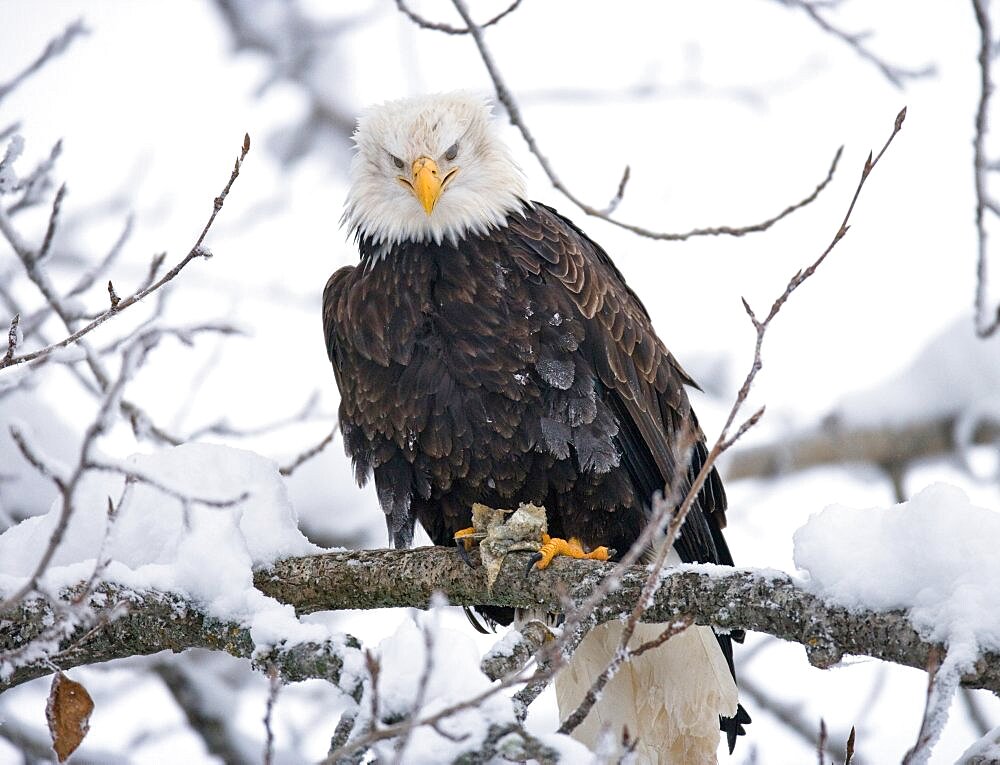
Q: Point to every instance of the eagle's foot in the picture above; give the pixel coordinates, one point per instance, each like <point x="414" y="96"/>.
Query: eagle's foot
<point x="571" y="548"/>
<point x="465" y="539"/>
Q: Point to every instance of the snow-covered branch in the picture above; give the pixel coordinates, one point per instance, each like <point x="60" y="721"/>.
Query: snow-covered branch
<point x="140" y="623"/>
<point x="764" y="601"/>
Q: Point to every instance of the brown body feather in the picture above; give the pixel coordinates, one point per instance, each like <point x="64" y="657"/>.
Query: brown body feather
<point x="516" y="366"/>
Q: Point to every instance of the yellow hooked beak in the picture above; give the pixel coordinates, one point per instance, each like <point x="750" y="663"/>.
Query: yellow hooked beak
<point x="427" y="184"/>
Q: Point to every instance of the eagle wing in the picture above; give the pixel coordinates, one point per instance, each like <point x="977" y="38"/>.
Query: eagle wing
<point x="640" y="380"/>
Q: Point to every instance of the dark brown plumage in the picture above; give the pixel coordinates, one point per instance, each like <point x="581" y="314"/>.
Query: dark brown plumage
<point x="515" y="366"/>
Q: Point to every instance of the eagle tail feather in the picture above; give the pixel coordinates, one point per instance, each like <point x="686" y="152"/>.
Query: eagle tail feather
<point x="670" y="698"/>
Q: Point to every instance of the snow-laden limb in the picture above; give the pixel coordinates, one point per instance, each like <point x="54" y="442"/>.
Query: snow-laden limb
<point x="760" y="600"/>
<point x="936" y="557"/>
<point x="144" y="622"/>
<point x="199" y="519"/>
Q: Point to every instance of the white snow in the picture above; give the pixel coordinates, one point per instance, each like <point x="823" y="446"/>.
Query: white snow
<point x="8" y="178"/>
<point x="161" y="542"/>
<point x="454" y="677"/>
<point x="984" y="751"/>
<point x="935" y="555"/>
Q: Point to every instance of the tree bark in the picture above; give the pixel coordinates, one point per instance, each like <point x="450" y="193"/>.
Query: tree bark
<point x="763" y="601"/>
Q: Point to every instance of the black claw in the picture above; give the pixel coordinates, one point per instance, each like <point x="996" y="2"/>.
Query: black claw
<point x="463" y="551"/>
<point x="532" y="561"/>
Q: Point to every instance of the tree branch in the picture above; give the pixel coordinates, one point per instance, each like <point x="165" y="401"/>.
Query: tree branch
<point x="152" y="622"/>
<point x="768" y="602"/>
<point x="831" y="444"/>
<point x="505" y="97"/>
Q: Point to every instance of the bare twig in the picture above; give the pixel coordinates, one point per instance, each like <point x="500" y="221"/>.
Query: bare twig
<point x="447" y="29"/>
<point x="55" y="47"/>
<point x="273" y="687"/>
<point x="985" y="326"/>
<point x="50" y="230"/>
<point x="593" y="693"/>
<point x="821" y="743"/>
<point x="662" y="508"/>
<point x="856" y="41"/>
<point x="210" y="723"/>
<point x="790" y="713"/>
<point x="312" y="451"/>
<point x="925" y="738"/>
<point x="196" y="251"/>
<point x="514" y="113"/>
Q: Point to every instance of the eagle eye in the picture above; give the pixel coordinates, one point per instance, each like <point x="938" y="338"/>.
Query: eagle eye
<point x="452" y="152"/>
<point x="397" y="161"/>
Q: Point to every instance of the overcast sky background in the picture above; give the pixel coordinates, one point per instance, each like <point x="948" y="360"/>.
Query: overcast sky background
<point x="749" y="102"/>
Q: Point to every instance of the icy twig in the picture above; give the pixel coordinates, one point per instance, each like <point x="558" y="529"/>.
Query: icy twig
<point x="67" y="483"/>
<point x="514" y="113"/>
<point x="224" y="428"/>
<point x="12" y="337"/>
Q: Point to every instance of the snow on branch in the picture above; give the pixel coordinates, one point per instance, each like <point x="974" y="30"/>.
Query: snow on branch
<point x="764" y="601"/>
<point x="140" y="623"/>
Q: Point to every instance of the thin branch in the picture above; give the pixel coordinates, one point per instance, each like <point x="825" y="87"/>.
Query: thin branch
<point x="420" y="21"/>
<point x="55" y="47"/>
<point x="12" y="337"/>
<point x="312" y="451"/>
<point x="197" y="251"/>
<point x="148" y="622"/>
<point x="925" y="738"/>
<point x="763" y="601"/>
<point x="210" y="723"/>
<point x="789" y="713"/>
<point x="897" y="75"/>
<point x="985" y="326"/>
<point x="514" y="113"/>
<point x="664" y="508"/>
<point x="832" y="443"/>
<point x="273" y="688"/>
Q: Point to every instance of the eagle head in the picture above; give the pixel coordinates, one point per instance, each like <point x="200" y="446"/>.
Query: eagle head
<point x="430" y="168"/>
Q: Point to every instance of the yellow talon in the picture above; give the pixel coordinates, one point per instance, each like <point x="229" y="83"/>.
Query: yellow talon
<point x="463" y="533"/>
<point x="571" y="548"/>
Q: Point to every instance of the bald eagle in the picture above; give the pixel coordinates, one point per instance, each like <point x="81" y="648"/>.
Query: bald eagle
<point x="487" y="350"/>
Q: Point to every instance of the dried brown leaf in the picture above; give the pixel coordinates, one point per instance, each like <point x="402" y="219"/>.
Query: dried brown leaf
<point x="68" y="713"/>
